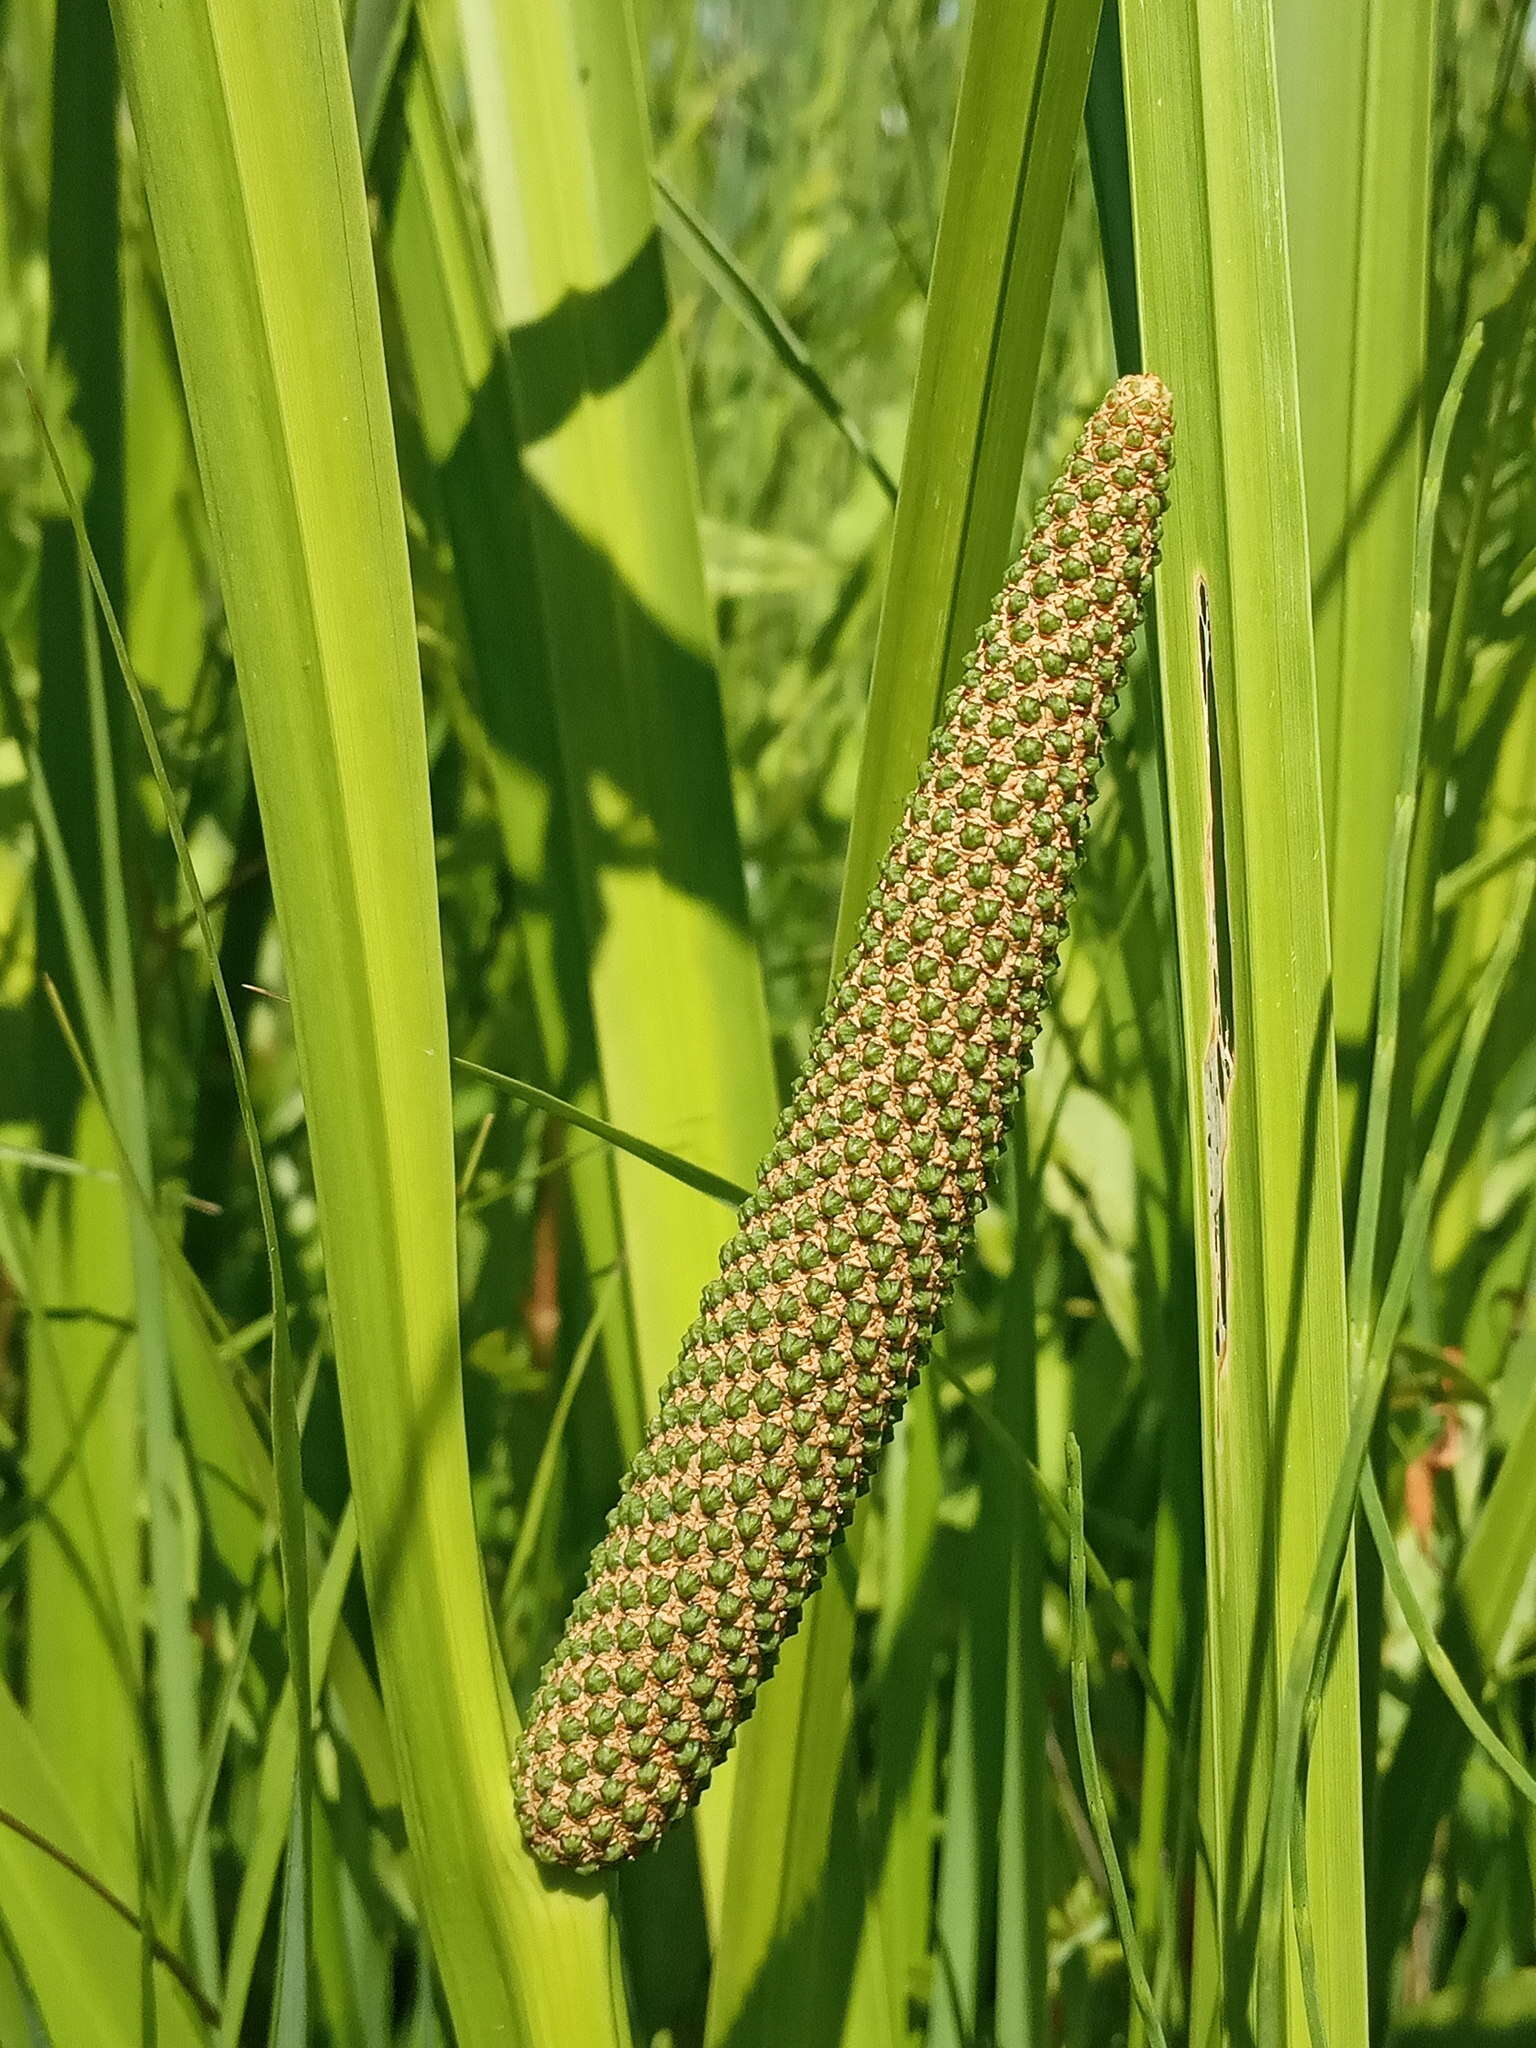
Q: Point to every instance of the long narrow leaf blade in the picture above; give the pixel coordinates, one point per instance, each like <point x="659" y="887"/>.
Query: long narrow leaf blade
<point x="1245" y="807"/>
<point x="251" y="160"/>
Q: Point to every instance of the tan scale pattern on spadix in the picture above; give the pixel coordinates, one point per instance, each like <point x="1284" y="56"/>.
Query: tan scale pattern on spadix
<point x="832" y="1287"/>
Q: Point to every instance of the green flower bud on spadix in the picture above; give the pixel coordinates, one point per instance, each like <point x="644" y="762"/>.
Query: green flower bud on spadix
<point x="832" y="1288"/>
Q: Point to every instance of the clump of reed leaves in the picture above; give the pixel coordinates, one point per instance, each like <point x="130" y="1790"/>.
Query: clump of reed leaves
<point x="493" y="500"/>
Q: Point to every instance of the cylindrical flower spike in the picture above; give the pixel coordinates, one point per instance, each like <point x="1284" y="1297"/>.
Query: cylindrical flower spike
<point x="832" y="1287"/>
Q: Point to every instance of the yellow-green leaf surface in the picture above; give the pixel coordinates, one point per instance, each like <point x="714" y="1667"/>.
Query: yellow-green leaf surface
<point x="84" y="1406"/>
<point x="1245" y="808"/>
<point x="78" y="1953"/>
<point x="463" y="374"/>
<point x="245" y="127"/>
<point x="1355" y="107"/>
<point x="563" y="154"/>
